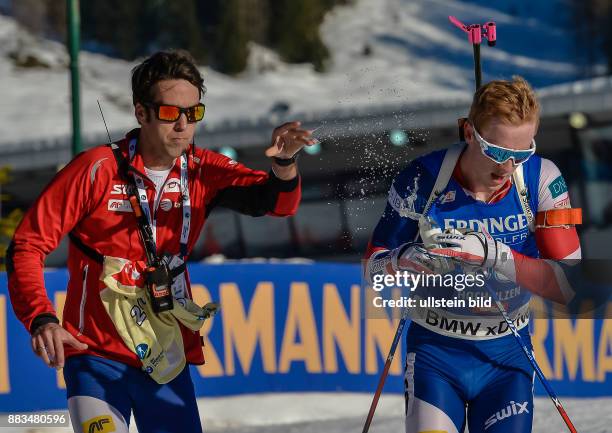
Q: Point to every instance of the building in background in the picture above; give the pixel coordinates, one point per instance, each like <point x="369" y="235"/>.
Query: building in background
<point x="347" y="177"/>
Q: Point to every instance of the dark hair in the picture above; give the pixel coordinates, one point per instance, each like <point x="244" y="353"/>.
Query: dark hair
<point x="164" y="65"/>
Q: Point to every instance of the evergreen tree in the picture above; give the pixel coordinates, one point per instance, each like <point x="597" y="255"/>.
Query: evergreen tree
<point x="208" y="16"/>
<point x="214" y="31"/>
<point x="592" y="19"/>
<point x="56" y="22"/>
<point x="255" y="16"/>
<point x="294" y="31"/>
<point x="118" y="24"/>
<point x="231" y="39"/>
<point x="30" y="14"/>
<point x="178" y="27"/>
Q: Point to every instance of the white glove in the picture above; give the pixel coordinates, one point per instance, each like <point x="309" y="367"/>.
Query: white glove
<point x="416" y="258"/>
<point x="407" y="257"/>
<point x="477" y="249"/>
<point x="427" y="229"/>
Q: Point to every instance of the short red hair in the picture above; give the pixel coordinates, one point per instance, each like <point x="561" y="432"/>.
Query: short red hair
<point x="513" y="102"/>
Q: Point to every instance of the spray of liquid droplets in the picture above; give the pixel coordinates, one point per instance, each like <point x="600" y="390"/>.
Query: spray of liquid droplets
<point x="406" y="206"/>
<point x="366" y="148"/>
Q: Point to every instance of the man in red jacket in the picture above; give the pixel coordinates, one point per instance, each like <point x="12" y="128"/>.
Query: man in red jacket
<point x="141" y="202"/>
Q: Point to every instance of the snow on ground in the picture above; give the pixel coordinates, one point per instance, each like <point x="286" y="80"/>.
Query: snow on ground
<point x="342" y="413"/>
<point x="345" y="412"/>
<point x="384" y="52"/>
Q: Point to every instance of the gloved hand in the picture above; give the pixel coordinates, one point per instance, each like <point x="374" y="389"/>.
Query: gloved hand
<point x="477" y="249"/>
<point x="409" y="257"/>
<point x="471" y="248"/>
<point x="416" y="258"/>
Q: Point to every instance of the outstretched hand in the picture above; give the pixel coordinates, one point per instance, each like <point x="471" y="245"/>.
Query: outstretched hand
<point x="288" y="139"/>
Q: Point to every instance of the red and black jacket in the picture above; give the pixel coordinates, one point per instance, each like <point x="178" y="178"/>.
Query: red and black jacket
<point x="88" y="200"/>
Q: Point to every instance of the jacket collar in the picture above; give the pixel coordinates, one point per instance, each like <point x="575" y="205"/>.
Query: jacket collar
<point x="137" y="162"/>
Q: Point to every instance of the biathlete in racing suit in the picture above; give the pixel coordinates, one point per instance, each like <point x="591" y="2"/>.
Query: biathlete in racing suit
<point x="492" y="205"/>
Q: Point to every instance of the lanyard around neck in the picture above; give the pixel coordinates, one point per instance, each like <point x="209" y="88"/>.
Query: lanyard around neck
<point x="144" y="201"/>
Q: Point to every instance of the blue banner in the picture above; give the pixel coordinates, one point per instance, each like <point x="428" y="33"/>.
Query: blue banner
<point x="297" y="328"/>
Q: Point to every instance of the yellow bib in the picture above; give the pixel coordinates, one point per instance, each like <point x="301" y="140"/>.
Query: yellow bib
<point x="155" y="338"/>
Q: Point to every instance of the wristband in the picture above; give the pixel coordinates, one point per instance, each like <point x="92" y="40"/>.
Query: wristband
<point x="284" y="162"/>
<point x="42" y="319"/>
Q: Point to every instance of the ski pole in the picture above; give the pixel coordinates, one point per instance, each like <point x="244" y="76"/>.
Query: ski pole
<point x="533" y="362"/>
<point x="477" y="67"/>
<point x="475" y="33"/>
<point x="385" y="372"/>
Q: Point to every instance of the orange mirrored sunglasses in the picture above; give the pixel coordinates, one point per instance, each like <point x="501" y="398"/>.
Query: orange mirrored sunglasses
<point x="171" y="113"/>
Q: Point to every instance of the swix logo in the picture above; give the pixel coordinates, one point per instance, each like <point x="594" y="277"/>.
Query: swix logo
<point x="510" y="223"/>
<point x="119" y="189"/>
<point x="510" y="410"/>
<point x="119" y="206"/>
<point x="99" y="424"/>
<point x="450" y="237"/>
